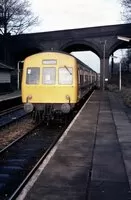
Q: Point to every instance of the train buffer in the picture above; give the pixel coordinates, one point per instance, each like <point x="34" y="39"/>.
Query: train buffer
<point x="93" y="159"/>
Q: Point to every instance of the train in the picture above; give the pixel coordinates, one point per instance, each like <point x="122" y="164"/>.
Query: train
<point x="54" y="82"/>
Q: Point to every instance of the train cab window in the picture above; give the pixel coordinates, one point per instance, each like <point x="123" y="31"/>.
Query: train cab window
<point x="65" y="75"/>
<point x="33" y="75"/>
<point x="49" y="75"/>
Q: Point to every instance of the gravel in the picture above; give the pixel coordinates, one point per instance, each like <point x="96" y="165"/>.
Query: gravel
<point x="14" y="131"/>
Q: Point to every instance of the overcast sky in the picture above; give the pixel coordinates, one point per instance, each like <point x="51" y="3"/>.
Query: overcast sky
<point x="70" y="14"/>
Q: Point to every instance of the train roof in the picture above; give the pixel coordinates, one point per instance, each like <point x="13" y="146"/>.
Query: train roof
<point x="79" y="61"/>
<point x="62" y="52"/>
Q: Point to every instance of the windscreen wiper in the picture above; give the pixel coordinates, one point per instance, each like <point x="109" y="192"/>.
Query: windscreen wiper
<point x="68" y="70"/>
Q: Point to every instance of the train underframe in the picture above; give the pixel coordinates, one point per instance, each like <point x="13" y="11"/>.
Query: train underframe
<point x="49" y="112"/>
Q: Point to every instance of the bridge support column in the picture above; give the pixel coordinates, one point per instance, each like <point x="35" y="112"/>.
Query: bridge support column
<point x="107" y="73"/>
<point x="104" y="72"/>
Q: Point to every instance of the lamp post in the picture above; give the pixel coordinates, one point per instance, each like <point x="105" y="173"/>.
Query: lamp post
<point x="126" y="39"/>
<point x="120" y="75"/>
<point x="18" y="74"/>
<point x="119" y="72"/>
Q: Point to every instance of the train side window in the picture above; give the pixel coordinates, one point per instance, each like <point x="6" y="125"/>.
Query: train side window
<point x="65" y="76"/>
<point x="81" y="79"/>
<point x="49" y="75"/>
<point x="89" y="79"/>
<point x="33" y="75"/>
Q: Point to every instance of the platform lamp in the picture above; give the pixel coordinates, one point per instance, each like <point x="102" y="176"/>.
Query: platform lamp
<point x="126" y="39"/>
<point x="18" y="73"/>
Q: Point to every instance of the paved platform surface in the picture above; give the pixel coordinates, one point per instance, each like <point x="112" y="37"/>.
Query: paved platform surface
<point x="93" y="162"/>
<point x="10" y="95"/>
<point x="109" y="179"/>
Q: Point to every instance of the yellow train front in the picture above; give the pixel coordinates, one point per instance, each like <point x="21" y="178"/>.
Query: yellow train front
<point x="51" y="83"/>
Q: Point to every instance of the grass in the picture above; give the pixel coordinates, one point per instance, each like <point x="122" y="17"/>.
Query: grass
<point x="125" y="92"/>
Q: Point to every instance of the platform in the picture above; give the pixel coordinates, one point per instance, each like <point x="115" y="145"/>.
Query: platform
<point x="10" y="95"/>
<point x="92" y="159"/>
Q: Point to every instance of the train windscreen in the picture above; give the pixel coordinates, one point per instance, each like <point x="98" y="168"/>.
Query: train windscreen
<point x="65" y="75"/>
<point x="49" y="75"/>
<point x="33" y="75"/>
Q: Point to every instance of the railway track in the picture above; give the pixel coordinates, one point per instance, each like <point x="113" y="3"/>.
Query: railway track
<point x="10" y="115"/>
<point x="19" y="158"/>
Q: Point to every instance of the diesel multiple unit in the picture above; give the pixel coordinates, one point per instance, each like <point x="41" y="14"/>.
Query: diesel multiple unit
<point x="54" y="82"/>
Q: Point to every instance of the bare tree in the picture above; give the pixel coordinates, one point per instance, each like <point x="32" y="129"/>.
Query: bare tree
<point x="127" y="10"/>
<point x="16" y="16"/>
